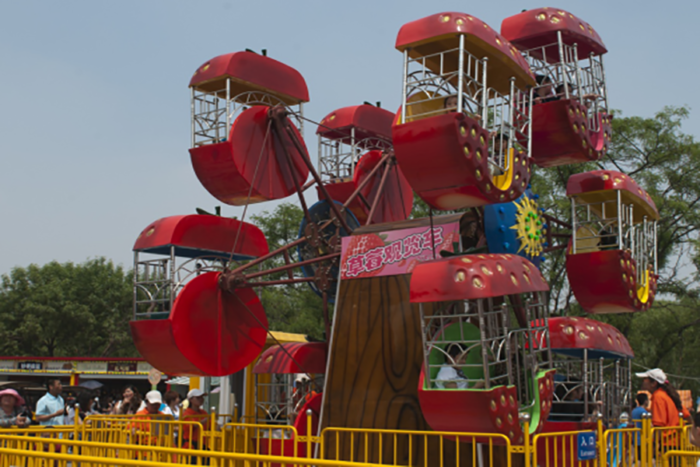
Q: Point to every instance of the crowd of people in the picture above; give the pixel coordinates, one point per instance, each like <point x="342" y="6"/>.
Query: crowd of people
<point x="664" y="407"/>
<point x="57" y="408"/>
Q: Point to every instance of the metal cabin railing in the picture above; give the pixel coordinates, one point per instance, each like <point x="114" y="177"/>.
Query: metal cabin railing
<point x="585" y="387"/>
<point x="213" y="112"/>
<point x="609" y="225"/>
<point x="572" y="78"/>
<point x="509" y="352"/>
<point x="337" y="157"/>
<point x="159" y="278"/>
<point x="455" y="80"/>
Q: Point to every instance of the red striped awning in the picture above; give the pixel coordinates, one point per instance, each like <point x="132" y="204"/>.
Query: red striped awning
<point x="294" y="357"/>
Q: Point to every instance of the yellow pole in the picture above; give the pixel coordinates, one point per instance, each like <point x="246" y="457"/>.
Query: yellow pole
<point x="646" y="442"/>
<point x="308" y="433"/>
<point x="601" y="443"/>
<point x="76" y="425"/>
<point x="212" y="427"/>
<point x="195" y="382"/>
<point x="525" y="417"/>
<point x="679" y="437"/>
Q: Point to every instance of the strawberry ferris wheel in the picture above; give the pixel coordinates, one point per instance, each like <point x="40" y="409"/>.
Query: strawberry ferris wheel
<point x="247" y="121"/>
<point x="478" y="109"/>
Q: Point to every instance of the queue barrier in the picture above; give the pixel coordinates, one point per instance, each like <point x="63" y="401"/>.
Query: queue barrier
<point x="89" y="453"/>
<point x="561" y="449"/>
<point x="668" y="439"/>
<point x="163" y="440"/>
<point x="683" y="455"/>
<point x="48" y="440"/>
<point x="623" y="447"/>
<point x="680" y="458"/>
<point x="144" y="430"/>
<point x="409" y="447"/>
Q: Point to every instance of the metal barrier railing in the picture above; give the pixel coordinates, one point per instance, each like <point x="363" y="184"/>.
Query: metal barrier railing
<point x="686" y="444"/>
<point x="142" y="430"/>
<point x="249" y="438"/>
<point x="664" y="439"/>
<point x="14" y="451"/>
<point x="680" y="459"/>
<point x="562" y="449"/>
<point x="408" y="448"/>
<point x="623" y="446"/>
<point x="166" y="442"/>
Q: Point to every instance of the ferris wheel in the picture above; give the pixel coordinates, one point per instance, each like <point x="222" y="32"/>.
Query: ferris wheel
<point x="459" y="294"/>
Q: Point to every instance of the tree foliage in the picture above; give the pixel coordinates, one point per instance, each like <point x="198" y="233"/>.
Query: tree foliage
<point x="292" y="307"/>
<point x="84" y="309"/>
<point x="66" y="310"/>
<point x="661" y="158"/>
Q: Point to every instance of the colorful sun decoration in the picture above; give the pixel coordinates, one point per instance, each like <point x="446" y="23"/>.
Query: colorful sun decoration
<point x="530" y="227"/>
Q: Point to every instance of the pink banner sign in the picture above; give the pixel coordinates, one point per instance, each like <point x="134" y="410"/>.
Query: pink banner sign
<point x="395" y="252"/>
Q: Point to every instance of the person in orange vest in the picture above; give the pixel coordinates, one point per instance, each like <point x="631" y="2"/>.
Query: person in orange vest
<point x="665" y="406"/>
<point x="143" y="430"/>
<point x="194" y="413"/>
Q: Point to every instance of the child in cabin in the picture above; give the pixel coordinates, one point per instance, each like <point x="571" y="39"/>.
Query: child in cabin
<point x="544" y="92"/>
<point x="451" y="377"/>
<point x="450" y="104"/>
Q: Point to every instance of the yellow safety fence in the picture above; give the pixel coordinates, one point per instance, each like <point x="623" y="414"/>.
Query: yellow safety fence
<point x="680" y="459"/>
<point x="41" y="452"/>
<point x="390" y="447"/>
<point x="156" y="440"/>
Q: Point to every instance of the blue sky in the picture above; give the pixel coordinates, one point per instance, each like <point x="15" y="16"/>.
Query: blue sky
<point x="95" y="120"/>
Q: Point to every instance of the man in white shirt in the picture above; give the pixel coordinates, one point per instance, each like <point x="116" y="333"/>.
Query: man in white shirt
<point x="50" y="409"/>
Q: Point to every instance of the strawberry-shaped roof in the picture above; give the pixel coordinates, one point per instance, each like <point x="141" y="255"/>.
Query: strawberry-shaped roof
<point x="440" y="32"/>
<point x="250" y="72"/>
<point x="598" y="185"/>
<point x="539" y="27"/>
<point x="475" y="276"/>
<point x="202" y="235"/>
<point x="570" y="335"/>
<point x="368" y="121"/>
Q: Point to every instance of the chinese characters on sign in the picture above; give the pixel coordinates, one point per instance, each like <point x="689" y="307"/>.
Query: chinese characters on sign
<point x="121" y="367"/>
<point x="29" y="366"/>
<point x="88" y="366"/>
<point x="394" y="252"/>
<point x="92" y="367"/>
<point x="586" y="442"/>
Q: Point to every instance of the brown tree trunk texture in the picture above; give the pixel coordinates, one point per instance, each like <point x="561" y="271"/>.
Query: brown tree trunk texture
<point x="372" y="381"/>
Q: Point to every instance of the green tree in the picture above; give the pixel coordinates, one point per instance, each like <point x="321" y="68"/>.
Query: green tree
<point x="66" y="310"/>
<point x="291" y="307"/>
<point x="663" y="160"/>
<point x="660" y="157"/>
